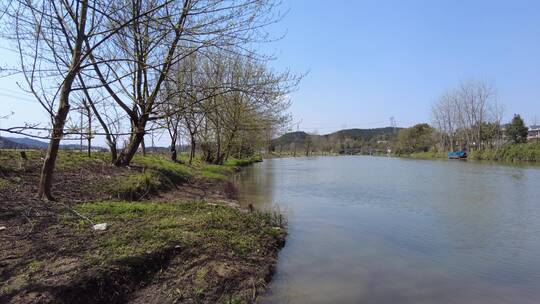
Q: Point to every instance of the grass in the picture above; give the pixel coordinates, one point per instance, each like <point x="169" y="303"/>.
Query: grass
<point x="12" y="159"/>
<point x="217" y="171"/>
<point x="222" y="172"/>
<point x="234" y="162"/>
<point x="426" y="155"/>
<point x="175" y="172"/>
<point x="529" y="152"/>
<point x="200" y="250"/>
<point x="140" y="227"/>
<point x="158" y="173"/>
<point x="68" y="160"/>
<point x="149" y="174"/>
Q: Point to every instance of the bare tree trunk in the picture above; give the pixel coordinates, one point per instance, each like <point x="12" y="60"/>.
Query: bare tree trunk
<point x="45" y="183"/>
<point x="192" y="148"/>
<point x="230" y="144"/>
<point x="114" y="151"/>
<point x="143" y="147"/>
<point x="46" y="179"/>
<point x="89" y="134"/>
<point x="129" y="151"/>
<point x="174" y="154"/>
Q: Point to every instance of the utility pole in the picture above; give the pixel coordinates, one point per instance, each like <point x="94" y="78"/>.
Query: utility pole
<point x="81" y="129"/>
<point x="89" y="133"/>
<point x="393" y="124"/>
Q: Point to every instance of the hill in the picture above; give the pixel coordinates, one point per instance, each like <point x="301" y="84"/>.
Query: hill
<point x="21" y="143"/>
<point x="30" y="143"/>
<point x="348" y="141"/>
<point x="365" y="134"/>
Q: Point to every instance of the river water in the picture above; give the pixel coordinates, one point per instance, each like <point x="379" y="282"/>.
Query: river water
<point x="387" y="230"/>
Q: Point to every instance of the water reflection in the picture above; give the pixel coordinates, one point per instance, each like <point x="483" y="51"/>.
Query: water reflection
<point x="383" y="230"/>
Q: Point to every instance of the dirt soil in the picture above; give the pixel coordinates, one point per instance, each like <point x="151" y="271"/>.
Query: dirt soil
<point x="44" y="259"/>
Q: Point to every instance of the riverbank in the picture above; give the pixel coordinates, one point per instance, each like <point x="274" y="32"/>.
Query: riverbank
<point x="272" y="155"/>
<point x="510" y="153"/>
<point x="174" y="233"/>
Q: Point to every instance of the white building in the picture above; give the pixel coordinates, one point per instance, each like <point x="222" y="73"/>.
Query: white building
<point x="534" y="133"/>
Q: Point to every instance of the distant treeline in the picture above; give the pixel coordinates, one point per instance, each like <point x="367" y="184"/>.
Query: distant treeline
<point x="469" y="118"/>
<point x="350" y="141"/>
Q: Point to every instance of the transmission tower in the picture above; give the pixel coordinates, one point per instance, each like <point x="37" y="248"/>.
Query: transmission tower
<point x="393" y="124"/>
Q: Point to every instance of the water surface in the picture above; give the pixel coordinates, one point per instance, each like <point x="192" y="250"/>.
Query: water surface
<point x="385" y="230"/>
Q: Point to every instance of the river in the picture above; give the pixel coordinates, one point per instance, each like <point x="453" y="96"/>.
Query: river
<point x="387" y="230"/>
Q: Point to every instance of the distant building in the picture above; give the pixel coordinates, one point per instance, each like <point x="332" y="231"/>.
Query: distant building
<point x="534" y="133"/>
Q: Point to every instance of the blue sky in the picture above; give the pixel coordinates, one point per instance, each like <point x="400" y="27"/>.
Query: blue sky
<point x="370" y="60"/>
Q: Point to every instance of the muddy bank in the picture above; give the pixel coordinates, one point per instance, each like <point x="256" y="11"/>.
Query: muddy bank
<point x="182" y="242"/>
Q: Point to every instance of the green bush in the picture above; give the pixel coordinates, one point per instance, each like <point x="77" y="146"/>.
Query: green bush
<point x="158" y="174"/>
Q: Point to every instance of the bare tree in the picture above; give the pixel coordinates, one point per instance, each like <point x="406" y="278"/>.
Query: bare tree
<point x="49" y="37"/>
<point x="469" y="113"/>
<point x="139" y="59"/>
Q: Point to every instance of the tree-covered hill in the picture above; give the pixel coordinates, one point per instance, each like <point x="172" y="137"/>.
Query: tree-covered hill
<point x="348" y="141"/>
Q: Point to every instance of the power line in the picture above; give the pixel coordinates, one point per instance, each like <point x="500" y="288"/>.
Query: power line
<point x="17" y="98"/>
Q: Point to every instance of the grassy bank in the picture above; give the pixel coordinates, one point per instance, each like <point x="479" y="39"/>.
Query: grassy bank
<point x="298" y="154"/>
<point x="510" y="153"/>
<point x="425" y="155"/>
<point x="529" y="152"/>
<point x="172" y="235"/>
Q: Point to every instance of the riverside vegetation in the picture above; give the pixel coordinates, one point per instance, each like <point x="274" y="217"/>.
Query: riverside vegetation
<point x="174" y="233"/>
<point x="527" y="152"/>
<point x="468" y="117"/>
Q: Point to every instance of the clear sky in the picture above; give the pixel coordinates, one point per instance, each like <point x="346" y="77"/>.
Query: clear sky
<point x="371" y="60"/>
<point x="368" y="61"/>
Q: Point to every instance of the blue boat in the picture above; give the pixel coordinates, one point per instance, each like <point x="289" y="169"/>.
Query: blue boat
<point x="457" y="155"/>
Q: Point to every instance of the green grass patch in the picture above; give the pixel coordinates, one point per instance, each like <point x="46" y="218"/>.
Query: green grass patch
<point x="426" y="155"/>
<point x="222" y="172"/>
<point x="175" y="172"/>
<point x="529" y="152"/>
<point x="139" y="227"/>
<point x="217" y="171"/>
<point x="158" y="173"/>
<point x="67" y="160"/>
<point x="244" y="161"/>
<point x="137" y="185"/>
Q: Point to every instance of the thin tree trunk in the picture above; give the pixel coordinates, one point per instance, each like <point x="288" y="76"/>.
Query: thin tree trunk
<point x="45" y="183"/>
<point x="46" y="179"/>
<point x="114" y="151"/>
<point x="89" y="134"/>
<point x="143" y="147"/>
<point x="89" y="147"/>
<point x="174" y="155"/>
<point x="192" y="149"/>
<point x="229" y="145"/>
